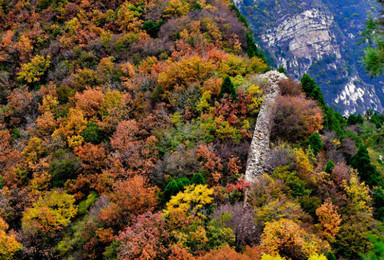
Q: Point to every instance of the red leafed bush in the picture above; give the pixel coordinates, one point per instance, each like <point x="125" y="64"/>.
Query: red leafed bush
<point x="296" y="118"/>
<point x="145" y="239"/>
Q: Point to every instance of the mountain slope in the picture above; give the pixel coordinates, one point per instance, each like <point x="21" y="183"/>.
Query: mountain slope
<point x="319" y="38"/>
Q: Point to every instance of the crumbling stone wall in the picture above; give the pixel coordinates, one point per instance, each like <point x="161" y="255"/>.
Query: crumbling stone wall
<point x="261" y="137"/>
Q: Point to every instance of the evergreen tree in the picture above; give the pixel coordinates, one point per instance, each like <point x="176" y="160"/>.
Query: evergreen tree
<point x="307" y="84"/>
<point x="198" y="179"/>
<point x="309" y="87"/>
<point x="359" y="119"/>
<point x="315" y="143"/>
<point x="333" y="121"/>
<point x="378" y="203"/>
<point x="329" y="167"/>
<point x="227" y="88"/>
<point x="317" y="95"/>
<point x="282" y="70"/>
<point x="367" y="172"/>
<point x="331" y="256"/>
<point x="352" y="120"/>
<point x="174" y="187"/>
<point x="377" y="120"/>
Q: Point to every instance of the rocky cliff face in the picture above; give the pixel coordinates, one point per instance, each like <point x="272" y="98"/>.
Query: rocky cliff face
<point x="319" y="37"/>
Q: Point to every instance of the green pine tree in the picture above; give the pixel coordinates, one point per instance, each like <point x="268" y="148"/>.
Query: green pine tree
<point x="367" y="172"/>
<point x="315" y="143"/>
<point x="198" y="179"/>
<point x="329" y="167"/>
<point x="227" y="88"/>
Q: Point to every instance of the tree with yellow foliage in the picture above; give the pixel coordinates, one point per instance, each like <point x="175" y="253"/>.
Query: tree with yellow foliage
<point x="358" y="194"/>
<point x="318" y="257"/>
<point x="51" y="212"/>
<point x="288" y="239"/>
<point x="192" y="200"/>
<point x="8" y="243"/>
<point x="31" y="72"/>
<point x="329" y="219"/>
<point x="71" y="127"/>
<point x="254" y="98"/>
<point x="176" y="8"/>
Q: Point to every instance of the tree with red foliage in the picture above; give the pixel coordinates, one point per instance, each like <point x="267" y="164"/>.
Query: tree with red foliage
<point x="210" y="162"/>
<point x="296" y="118"/>
<point x="146" y="239"/>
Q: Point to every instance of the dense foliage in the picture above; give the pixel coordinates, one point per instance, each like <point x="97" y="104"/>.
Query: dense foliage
<point x="124" y="133"/>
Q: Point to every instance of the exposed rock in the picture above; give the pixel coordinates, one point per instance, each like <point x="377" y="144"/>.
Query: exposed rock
<point x="261" y="136"/>
<point x="319" y="37"/>
<point x="308" y="36"/>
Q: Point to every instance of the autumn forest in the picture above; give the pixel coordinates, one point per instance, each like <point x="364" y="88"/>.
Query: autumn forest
<point x="125" y="128"/>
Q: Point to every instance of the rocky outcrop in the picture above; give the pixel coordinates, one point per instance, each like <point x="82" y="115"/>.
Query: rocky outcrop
<point x="319" y="37"/>
<point x="261" y="135"/>
<point x="306" y="36"/>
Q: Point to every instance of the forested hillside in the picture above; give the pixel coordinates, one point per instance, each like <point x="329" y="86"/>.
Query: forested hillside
<point x="125" y="129"/>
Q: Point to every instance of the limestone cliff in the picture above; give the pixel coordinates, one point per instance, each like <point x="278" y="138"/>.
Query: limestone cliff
<point x="319" y="37"/>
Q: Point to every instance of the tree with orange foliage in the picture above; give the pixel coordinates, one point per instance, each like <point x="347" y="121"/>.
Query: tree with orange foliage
<point x="89" y="101"/>
<point x="19" y="105"/>
<point x="125" y="135"/>
<point x="46" y="123"/>
<point x="93" y="157"/>
<point x="24" y="48"/>
<point x="329" y="219"/>
<point x="8" y="156"/>
<point x="8" y="243"/>
<point x="130" y="198"/>
<point x="6" y="45"/>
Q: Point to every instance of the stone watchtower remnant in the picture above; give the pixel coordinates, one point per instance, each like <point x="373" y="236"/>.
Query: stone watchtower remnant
<point x="261" y="136"/>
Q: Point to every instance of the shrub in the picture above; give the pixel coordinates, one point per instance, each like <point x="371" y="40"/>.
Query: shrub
<point x="296" y="119"/>
<point x="85" y="204"/>
<point x="92" y="133"/>
<point x="241" y="221"/>
<point x="289" y="87"/>
<point x="64" y="166"/>
<point x="329" y="167"/>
